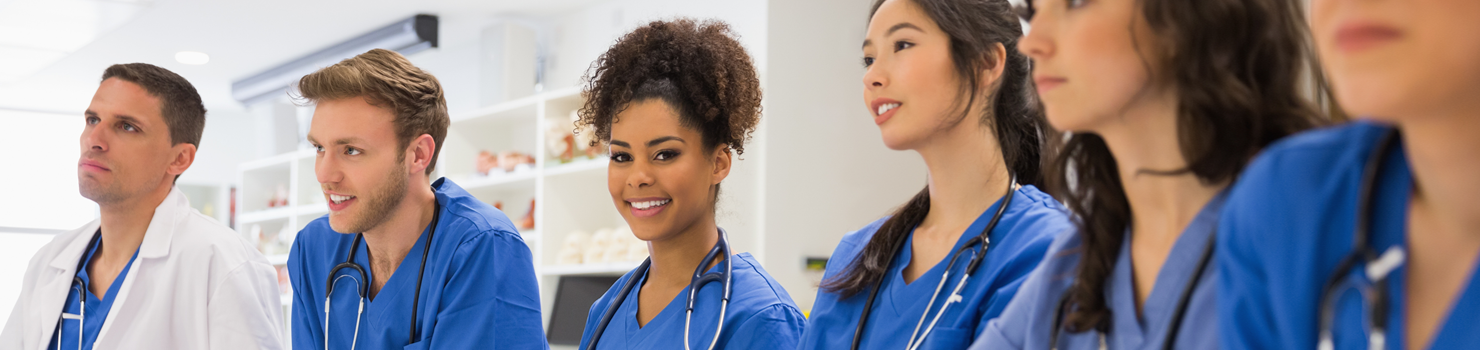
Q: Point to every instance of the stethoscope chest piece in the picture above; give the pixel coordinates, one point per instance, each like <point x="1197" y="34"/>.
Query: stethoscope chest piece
<point x="1369" y="281"/>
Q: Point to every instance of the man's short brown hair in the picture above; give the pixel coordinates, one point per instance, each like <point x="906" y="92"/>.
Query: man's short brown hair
<point x="179" y="103"/>
<point x="388" y="80"/>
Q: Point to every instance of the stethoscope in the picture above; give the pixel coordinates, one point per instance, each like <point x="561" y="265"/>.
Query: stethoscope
<point x="1177" y="314"/>
<point x="364" y="285"/>
<point x="695" y="283"/>
<point x="80" y="287"/>
<point x="916" y="337"/>
<point x="1373" y="289"/>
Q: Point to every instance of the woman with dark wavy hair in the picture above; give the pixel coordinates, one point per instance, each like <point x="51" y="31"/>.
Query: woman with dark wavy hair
<point x="944" y="79"/>
<point x="1165" y="101"/>
<point x="673" y="100"/>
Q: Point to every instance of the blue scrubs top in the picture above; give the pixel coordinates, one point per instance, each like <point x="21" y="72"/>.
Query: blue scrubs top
<point x="1017" y="245"/>
<point x="760" y="315"/>
<point x="1292" y="217"/>
<point x="478" y="292"/>
<point x="1028" y="321"/>
<point x="97" y="309"/>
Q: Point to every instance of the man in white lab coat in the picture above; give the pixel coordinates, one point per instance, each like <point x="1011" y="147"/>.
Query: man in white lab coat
<point x="151" y="272"/>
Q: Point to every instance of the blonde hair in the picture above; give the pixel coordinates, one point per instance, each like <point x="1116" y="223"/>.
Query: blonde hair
<point x="388" y="80"/>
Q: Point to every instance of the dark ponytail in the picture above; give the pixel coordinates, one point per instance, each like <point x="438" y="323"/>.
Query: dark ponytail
<point x="974" y="27"/>
<point x="1236" y="65"/>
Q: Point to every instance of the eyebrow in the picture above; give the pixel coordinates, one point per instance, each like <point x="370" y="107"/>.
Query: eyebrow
<point x="340" y="141"/>
<point x="652" y="143"/>
<point x="663" y="139"/>
<point x="893" y="29"/>
<point x="129" y="119"/>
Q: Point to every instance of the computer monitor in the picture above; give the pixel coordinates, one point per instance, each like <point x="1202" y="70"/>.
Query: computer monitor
<point x="573" y="298"/>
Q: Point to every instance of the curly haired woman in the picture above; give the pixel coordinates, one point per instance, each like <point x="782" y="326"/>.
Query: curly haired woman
<point x="673" y="100"/>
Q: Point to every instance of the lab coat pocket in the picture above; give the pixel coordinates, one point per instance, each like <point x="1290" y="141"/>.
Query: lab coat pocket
<point x="421" y="345"/>
<point x="947" y="339"/>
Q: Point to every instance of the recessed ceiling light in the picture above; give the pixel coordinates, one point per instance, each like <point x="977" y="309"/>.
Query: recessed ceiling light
<point x="192" y="57"/>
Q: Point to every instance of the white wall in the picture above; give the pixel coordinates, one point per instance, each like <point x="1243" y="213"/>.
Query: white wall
<point x="228" y="140"/>
<point x="15" y="254"/>
<point x="582" y="36"/>
<point x="827" y="172"/>
<point x="38" y="183"/>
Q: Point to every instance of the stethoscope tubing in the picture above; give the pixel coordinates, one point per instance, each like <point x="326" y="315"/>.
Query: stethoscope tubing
<point x="1179" y="313"/>
<point x="1375" y="297"/>
<point x="81" y="288"/>
<point x="363" y="283"/>
<point x="983" y="239"/>
<point x="696" y="282"/>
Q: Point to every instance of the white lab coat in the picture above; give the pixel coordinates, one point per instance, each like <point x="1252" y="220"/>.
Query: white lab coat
<point x="196" y="284"/>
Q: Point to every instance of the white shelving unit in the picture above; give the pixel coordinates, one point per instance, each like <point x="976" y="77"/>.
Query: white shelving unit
<point x="258" y="182"/>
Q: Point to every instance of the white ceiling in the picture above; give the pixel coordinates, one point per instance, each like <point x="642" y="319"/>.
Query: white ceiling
<point x="241" y="37"/>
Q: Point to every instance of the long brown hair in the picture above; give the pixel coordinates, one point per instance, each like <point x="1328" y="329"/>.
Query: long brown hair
<point x="1237" y="67"/>
<point x="974" y="27"/>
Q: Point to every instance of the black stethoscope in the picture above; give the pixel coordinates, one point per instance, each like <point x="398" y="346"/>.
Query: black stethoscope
<point x="80" y="287"/>
<point x="1177" y="314"/>
<point x="364" y="282"/>
<point x="1373" y="289"/>
<point x="695" y="283"/>
<point x="982" y="240"/>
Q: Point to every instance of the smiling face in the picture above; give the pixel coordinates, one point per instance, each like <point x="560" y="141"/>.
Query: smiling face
<point x="126" y="148"/>
<point x="1086" y="60"/>
<point x="1390" y="58"/>
<point x="662" y="178"/>
<point x="360" y="164"/>
<point x="911" y="87"/>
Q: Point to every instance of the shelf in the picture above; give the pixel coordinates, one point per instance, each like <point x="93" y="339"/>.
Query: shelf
<point x="278" y="160"/>
<point x="276" y="260"/>
<point x="616" y="268"/>
<point x="280" y="213"/>
<point x="315" y="209"/>
<point x="479" y="182"/>
<point x="287" y="299"/>
<point x="522" y="107"/>
<point x="577" y="166"/>
<point x="266" y="215"/>
<point x="564" y="93"/>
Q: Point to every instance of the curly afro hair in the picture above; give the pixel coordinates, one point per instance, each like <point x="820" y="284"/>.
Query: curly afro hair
<point x="697" y="68"/>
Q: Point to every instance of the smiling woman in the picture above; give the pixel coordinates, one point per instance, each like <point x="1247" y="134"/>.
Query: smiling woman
<point x="672" y="100"/>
